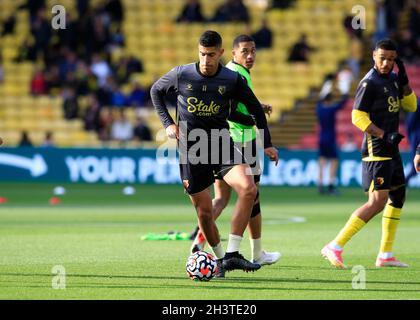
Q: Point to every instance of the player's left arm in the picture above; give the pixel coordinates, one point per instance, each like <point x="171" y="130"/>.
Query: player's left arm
<point x="407" y="95"/>
<point x="245" y="95"/>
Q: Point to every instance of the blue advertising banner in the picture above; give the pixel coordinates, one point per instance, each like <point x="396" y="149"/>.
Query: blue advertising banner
<point x="140" y="166"/>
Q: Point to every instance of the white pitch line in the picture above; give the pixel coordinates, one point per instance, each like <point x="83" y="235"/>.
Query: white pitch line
<point x="285" y="220"/>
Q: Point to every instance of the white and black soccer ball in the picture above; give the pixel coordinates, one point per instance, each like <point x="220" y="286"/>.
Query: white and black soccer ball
<point x="201" y="266"/>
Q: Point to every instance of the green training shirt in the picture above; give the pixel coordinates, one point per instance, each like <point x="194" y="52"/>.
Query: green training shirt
<point x="238" y="131"/>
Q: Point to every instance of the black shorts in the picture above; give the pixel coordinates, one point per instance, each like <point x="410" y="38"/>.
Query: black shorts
<point x="198" y="177"/>
<point x="250" y="156"/>
<point x="328" y="150"/>
<point x="383" y="175"/>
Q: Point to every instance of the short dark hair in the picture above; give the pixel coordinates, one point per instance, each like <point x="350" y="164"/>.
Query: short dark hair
<point x="242" y="38"/>
<point x="386" y="44"/>
<point x="210" y="38"/>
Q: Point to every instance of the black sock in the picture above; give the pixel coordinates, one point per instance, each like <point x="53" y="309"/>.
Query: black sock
<point x="231" y="254"/>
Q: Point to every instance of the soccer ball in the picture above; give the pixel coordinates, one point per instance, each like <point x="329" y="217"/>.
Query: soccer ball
<point x="201" y="266"/>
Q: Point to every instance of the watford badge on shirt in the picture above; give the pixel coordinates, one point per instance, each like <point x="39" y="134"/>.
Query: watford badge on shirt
<point x="222" y="89"/>
<point x="380" y="181"/>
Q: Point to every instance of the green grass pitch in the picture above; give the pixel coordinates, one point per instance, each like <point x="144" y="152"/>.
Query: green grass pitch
<point x="95" y="234"/>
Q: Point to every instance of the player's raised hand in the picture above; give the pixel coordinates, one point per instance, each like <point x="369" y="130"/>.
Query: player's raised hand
<point x="172" y="131"/>
<point x="402" y="73"/>
<point x="268" y="109"/>
<point x="417" y="162"/>
<point x="272" y="154"/>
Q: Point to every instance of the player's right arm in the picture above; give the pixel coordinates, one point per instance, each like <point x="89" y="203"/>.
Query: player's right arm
<point x="167" y="83"/>
<point x="363" y="102"/>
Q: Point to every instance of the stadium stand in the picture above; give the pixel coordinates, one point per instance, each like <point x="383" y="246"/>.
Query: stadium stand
<point x="153" y="35"/>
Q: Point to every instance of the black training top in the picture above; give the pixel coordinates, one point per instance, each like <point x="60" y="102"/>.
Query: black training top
<point x="378" y="96"/>
<point x="206" y="102"/>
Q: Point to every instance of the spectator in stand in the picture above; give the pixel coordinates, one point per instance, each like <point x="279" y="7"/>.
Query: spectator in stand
<point x="38" y="83"/>
<point x="281" y="4"/>
<point x="82" y="7"/>
<point x="141" y="130"/>
<point x="105" y="92"/>
<point x="264" y="36"/>
<point x="117" y="39"/>
<point x="68" y="64"/>
<point x="70" y="103"/>
<point x="92" y="81"/>
<point x="48" y="140"/>
<point x="301" y="50"/>
<point x="82" y="78"/>
<point x="9" y="25"/>
<point x="115" y="10"/>
<point x="100" y="68"/>
<point x="118" y="98"/>
<point x="137" y="96"/>
<point x="351" y="31"/>
<point x="26" y="51"/>
<point x="134" y="65"/>
<point x="52" y="76"/>
<point x="232" y="11"/>
<point x="125" y="67"/>
<point x="25" y="141"/>
<point x="41" y="31"/>
<point x="122" y="129"/>
<point x="191" y="12"/>
<point x="98" y="34"/>
<point x="68" y="37"/>
<point x="120" y="70"/>
<point x="91" y="117"/>
<point x="106" y="119"/>
<point x="413" y="129"/>
<point x="33" y="7"/>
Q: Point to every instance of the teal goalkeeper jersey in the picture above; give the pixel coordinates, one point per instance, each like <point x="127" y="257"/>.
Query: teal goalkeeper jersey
<point x="239" y="132"/>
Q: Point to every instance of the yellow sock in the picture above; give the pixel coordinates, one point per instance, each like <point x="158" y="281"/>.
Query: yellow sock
<point x="353" y="225"/>
<point x="390" y="220"/>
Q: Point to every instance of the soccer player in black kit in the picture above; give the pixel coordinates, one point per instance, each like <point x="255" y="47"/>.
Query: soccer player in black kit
<point x="205" y="92"/>
<point x="379" y="97"/>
